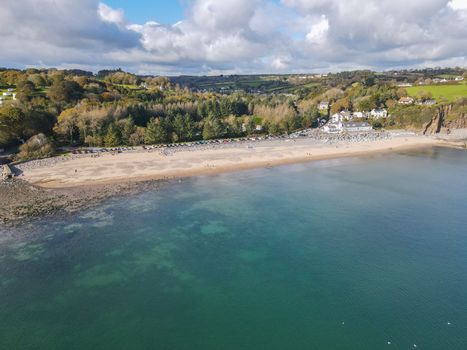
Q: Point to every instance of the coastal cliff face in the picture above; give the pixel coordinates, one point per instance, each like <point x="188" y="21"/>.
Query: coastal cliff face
<point x="436" y="123"/>
<point x="446" y="118"/>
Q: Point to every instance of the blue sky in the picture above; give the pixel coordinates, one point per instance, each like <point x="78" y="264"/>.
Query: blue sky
<point x="141" y="11"/>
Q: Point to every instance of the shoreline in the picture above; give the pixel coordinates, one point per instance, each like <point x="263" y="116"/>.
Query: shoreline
<point x="142" y="165"/>
<point x="36" y="194"/>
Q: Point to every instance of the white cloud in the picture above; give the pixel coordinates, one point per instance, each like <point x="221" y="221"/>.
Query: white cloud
<point x="319" y="31"/>
<point x="237" y="35"/>
<point x="458" y="4"/>
<point x="110" y="15"/>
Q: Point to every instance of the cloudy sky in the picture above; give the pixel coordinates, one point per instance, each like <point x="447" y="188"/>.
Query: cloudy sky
<point x="233" y="36"/>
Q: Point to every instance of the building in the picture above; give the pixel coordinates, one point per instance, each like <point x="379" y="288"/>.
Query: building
<point x="356" y="127"/>
<point x="359" y="115"/>
<point x="426" y="103"/>
<point x="333" y="128"/>
<point x="459" y="78"/>
<point x="406" y="101"/>
<point x="379" y="113"/>
<point x="336" y="118"/>
<point x="8" y="93"/>
<point x="341" y="116"/>
<point x="403" y="85"/>
<point x="346" y="115"/>
<point x="323" y="106"/>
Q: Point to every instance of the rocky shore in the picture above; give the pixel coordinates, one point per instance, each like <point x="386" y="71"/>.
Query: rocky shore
<point x="21" y="201"/>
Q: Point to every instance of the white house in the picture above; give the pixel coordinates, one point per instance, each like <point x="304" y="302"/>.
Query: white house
<point x="323" y="106"/>
<point x="341" y="116"/>
<point x="346" y="115"/>
<point x="406" y="101"/>
<point x="459" y="78"/>
<point x="333" y="128"/>
<point x="7" y="93"/>
<point x="10" y="90"/>
<point x="359" y="115"/>
<point x="357" y="127"/>
<point x="336" y="118"/>
<point x="379" y="113"/>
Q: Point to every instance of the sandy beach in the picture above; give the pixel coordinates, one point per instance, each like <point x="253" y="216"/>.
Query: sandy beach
<point x="154" y="164"/>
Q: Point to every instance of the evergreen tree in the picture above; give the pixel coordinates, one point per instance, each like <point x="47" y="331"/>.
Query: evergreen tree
<point x="113" y="137"/>
<point x="156" y="132"/>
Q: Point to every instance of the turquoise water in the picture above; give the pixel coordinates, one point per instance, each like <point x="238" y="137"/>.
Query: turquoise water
<point x="340" y="254"/>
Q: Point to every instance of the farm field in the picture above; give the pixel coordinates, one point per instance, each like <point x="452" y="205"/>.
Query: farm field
<point x="449" y="92"/>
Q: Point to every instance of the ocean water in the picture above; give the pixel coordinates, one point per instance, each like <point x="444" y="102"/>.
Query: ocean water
<point x="357" y="253"/>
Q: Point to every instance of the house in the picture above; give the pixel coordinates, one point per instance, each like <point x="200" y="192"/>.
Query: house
<point x="10" y="90"/>
<point x="323" y="106"/>
<point x="438" y="80"/>
<point x="379" y="113"/>
<point x="346" y="115"/>
<point x="359" y="115"/>
<point x="406" y="101"/>
<point x="333" y="128"/>
<point x="426" y="103"/>
<point x="336" y="118"/>
<point x="403" y="85"/>
<point x="356" y="127"/>
<point x="459" y="78"/>
<point x="341" y="116"/>
<point x="8" y="93"/>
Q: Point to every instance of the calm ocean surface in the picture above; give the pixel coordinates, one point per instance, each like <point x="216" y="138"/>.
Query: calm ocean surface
<point x="360" y="253"/>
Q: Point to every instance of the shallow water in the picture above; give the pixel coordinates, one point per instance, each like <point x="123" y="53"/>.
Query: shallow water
<point x="339" y="254"/>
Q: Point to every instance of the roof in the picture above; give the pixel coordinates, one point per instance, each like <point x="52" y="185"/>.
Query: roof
<point x="356" y="125"/>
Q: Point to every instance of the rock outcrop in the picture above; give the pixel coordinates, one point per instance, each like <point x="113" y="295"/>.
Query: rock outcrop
<point x="435" y="125"/>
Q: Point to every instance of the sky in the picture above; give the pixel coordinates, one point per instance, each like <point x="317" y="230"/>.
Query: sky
<point x="208" y="37"/>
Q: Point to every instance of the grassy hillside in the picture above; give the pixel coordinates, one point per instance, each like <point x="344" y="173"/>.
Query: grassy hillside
<point x="449" y="92"/>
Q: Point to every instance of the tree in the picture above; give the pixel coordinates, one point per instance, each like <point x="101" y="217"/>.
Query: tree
<point x="156" y="132"/>
<point x="128" y="128"/>
<point x="37" y="80"/>
<point x="25" y="91"/>
<point x="179" y="127"/>
<point x="212" y="128"/>
<point x="190" y="127"/>
<point x="38" y="146"/>
<point x="64" y="91"/>
<point x="310" y="116"/>
<point x="113" y="136"/>
<point x="12" y="123"/>
<point x="67" y="123"/>
<point x="137" y="138"/>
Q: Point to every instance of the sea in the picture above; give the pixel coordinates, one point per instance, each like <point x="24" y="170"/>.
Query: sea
<point x="355" y="254"/>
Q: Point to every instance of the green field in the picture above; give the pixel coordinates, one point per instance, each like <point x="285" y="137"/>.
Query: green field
<point x="449" y="92"/>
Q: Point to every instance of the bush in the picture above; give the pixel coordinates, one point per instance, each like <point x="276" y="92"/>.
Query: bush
<point x="38" y="146"/>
